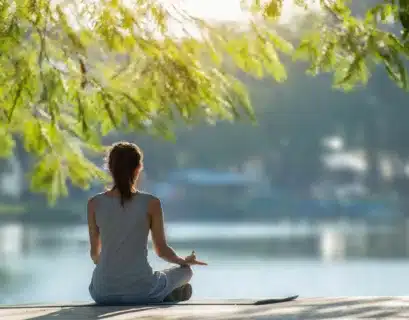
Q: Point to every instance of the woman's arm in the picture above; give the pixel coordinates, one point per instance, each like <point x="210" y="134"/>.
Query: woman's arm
<point x="160" y="245"/>
<point x="94" y="238"/>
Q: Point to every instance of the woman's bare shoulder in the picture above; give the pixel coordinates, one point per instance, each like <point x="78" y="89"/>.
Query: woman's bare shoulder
<point x="152" y="201"/>
<point x="149" y="196"/>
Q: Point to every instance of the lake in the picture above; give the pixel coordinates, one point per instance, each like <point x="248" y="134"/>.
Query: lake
<point x="49" y="263"/>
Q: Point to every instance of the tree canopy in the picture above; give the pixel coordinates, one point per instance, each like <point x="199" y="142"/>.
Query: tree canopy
<point x="75" y="71"/>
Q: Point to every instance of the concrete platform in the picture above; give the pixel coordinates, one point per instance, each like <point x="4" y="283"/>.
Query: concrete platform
<point x="317" y="308"/>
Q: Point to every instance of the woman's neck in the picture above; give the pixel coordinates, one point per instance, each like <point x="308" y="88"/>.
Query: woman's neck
<point x="115" y="192"/>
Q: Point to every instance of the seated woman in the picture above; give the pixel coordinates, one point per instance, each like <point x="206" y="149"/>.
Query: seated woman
<point x="119" y="222"/>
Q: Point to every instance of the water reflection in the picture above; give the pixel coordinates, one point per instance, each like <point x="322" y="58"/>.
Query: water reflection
<point x="51" y="263"/>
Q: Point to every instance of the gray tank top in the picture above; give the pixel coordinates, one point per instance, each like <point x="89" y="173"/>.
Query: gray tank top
<point x="123" y="268"/>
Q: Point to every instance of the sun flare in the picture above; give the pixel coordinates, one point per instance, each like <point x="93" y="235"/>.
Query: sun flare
<point x="230" y="10"/>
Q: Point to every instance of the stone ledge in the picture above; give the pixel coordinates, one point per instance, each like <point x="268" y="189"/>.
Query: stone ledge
<point x="313" y="308"/>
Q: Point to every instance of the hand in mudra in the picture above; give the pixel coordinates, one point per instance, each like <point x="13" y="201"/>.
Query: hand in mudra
<point x="191" y="260"/>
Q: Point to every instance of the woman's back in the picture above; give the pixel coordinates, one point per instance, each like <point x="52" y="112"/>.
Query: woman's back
<point x="123" y="267"/>
<point x="119" y="222"/>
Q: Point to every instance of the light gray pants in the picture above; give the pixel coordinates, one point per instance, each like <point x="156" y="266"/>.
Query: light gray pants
<point x="169" y="280"/>
<point x="165" y="282"/>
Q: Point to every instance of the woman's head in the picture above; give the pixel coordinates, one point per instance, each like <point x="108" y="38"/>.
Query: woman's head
<point x="124" y="164"/>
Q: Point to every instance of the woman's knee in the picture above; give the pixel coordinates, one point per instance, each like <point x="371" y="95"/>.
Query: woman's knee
<point x="188" y="272"/>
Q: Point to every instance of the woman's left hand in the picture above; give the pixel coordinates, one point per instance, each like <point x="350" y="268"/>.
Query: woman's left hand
<point x="191" y="260"/>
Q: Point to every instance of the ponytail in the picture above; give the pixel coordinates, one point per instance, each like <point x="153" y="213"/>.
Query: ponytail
<point x="123" y="160"/>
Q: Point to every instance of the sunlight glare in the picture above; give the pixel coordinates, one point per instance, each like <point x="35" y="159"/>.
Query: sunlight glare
<point x="227" y="11"/>
<point x="230" y="10"/>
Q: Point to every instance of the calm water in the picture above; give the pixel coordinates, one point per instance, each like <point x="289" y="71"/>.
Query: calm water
<point x="52" y="264"/>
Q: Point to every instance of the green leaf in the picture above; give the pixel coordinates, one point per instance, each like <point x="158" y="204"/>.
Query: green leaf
<point x="6" y="142"/>
<point x="273" y="8"/>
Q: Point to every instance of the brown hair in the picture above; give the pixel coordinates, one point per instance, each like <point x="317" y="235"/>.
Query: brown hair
<point x="123" y="159"/>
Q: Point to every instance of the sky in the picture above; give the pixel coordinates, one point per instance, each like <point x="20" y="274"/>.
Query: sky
<point x="230" y="9"/>
<point x="227" y="10"/>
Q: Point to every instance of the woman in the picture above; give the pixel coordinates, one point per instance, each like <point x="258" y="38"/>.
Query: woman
<point x="119" y="222"/>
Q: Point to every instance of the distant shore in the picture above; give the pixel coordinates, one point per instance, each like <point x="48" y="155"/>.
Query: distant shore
<point x="36" y="211"/>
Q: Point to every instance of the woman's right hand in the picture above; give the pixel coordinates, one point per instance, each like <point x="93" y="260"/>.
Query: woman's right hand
<point x="191" y="260"/>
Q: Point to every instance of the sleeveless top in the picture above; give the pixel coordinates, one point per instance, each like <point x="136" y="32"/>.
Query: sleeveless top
<point x="123" y="268"/>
